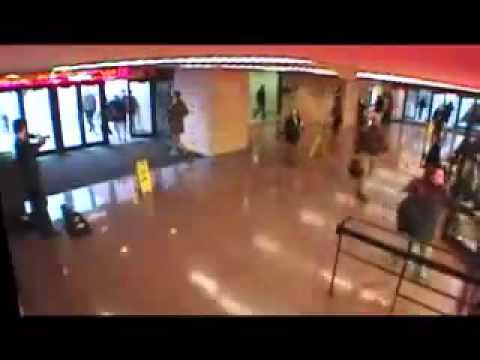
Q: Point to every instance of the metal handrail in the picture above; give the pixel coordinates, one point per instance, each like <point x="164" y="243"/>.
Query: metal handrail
<point x="442" y="268"/>
<point x="343" y="229"/>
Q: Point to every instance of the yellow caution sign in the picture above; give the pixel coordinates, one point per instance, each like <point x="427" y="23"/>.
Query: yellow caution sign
<point x="143" y="176"/>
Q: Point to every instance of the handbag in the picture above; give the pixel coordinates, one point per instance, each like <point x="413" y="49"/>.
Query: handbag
<point x="355" y="168"/>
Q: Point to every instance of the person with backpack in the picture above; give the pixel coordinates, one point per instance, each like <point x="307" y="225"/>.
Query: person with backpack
<point x="176" y="115"/>
<point x="422" y="214"/>
<point x="369" y="144"/>
<point x="293" y="130"/>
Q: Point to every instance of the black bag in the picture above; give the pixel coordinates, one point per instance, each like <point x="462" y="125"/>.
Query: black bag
<point x="75" y="224"/>
<point x="355" y="168"/>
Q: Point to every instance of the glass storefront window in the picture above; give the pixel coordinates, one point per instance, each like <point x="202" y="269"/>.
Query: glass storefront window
<point x="92" y="117"/>
<point x="39" y="116"/>
<point x="410" y="105"/>
<point x="452" y="99"/>
<point x="141" y="112"/>
<point x="398" y="96"/>
<point x="466" y="106"/>
<point x="438" y="100"/>
<point x="9" y="111"/>
<point x="68" y="107"/>
<point x="423" y="105"/>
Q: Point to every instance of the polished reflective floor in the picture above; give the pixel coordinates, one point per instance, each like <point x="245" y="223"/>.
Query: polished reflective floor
<point x="240" y="234"/>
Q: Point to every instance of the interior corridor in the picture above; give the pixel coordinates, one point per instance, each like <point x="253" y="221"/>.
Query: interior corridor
<point x="238" y="234"/>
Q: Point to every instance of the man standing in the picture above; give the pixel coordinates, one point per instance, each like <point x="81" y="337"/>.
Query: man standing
<point x="260" y="103"/>
<point x="176" y="115"/>
<point x="25" y="155"/>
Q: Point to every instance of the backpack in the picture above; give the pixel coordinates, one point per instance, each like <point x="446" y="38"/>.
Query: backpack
<point x="75" y="224"/>
<point x="416" y="217"/>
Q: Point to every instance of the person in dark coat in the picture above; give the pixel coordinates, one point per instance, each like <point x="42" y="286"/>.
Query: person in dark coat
<point x="260" y="97"/>
<point x="423" y="213"/>
<point x="440" y="118"/>
<point x="26" y="159"/>
<point x="387" y="108"/>
<point x="118" y="114"/>
<point x="369" y="144"/>
<point x="467" y="158"/>
<point x="434" y="154"/>
<point x="337" y="113"/>
<point x="131" y="108"/>
<point x="89" y="108"/>
<point x="176" y="116"/>
<point x="293" y="130"/>
<point x="422" y="104"/>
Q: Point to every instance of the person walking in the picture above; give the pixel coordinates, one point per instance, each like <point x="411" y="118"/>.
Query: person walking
<point x="337" y="113"/>
<point x="118" y="113"/>
<point x="370" y="143"/>
<point x="260" y="98"/>
<point x="422" y="104"/>
<point x="176" y="116"/>
<point x="422" y="214"/>
<point x="89" y="108"/>
<point x="26" y="159"/>
<point x="293" y="131"/>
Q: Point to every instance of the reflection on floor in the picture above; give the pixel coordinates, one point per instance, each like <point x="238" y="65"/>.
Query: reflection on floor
<point x="240" y="234"/>
<point x="82" y="167"/>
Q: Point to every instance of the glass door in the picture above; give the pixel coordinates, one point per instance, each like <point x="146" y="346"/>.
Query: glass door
<point x="68" y="108"/>
<point x="115" y="92"/>
<point x="466" y="108"/>
<point x="438" y="101"/>
<point x="91" y="114"/>
<point x="410" y="105"/>
<point x="163" y="101"/>
<point x="9" y="111"/>
<point x="452" y="100"/>
<point x="139" y="108"/>
<point x="39" y="116"/>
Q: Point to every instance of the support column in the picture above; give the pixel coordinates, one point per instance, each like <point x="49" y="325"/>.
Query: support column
<point x="218" y="101"/>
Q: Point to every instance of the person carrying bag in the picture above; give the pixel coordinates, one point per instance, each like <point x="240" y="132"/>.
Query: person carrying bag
<point x="369" y="144"/>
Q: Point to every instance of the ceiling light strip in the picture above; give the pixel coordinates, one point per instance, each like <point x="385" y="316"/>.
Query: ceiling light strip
<point x="310" y="70"/>
<point x="188" y="60"/>
<point x="413" y="81"/>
